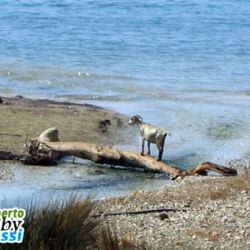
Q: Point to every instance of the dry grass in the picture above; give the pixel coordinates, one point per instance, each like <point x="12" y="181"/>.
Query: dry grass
<point x="209" y="235"/>
<point x="110" y="241"/>
<point x="67" y="225"/>
<point x="58" y="225"/>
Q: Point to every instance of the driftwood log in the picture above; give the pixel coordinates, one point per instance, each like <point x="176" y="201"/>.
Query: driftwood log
<point x="49" y="153"/>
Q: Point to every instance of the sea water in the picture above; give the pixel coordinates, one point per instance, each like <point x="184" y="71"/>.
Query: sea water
<point x="181" y="64"/>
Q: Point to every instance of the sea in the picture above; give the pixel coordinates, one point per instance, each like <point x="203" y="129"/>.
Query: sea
<point x="183" y="65"/>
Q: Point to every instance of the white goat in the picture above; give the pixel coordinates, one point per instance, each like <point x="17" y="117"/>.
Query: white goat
<point x="151" y="134"/>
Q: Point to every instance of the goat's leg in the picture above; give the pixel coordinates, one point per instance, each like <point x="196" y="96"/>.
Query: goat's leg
<point x="160" y="153"/>
<point x="160" y="147"/>
<point x="148" y="148"/>
<point x="142" y="146"/>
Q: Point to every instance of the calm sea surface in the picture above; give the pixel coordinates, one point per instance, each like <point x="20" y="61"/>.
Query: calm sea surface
<point x="184" y="65"/>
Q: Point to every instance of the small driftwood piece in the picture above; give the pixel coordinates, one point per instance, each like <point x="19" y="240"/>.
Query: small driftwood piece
<point x="206" y="166"/>
<point x="146" y="211"/>
<point x="49" y="150"/>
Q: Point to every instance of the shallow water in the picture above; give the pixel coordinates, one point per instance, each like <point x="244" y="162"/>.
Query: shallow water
<point x="82" y="179"/>
<point x="183" y="65"/>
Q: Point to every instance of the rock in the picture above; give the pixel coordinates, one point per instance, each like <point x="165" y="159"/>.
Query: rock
<point x="163" y="216"/>
<point x="104" y="124"/>
<point x="19" y="97"/>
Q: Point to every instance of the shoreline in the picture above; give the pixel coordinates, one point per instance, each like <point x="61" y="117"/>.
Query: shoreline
<point x="26" y="118"/>
<point x="76" y="122"/>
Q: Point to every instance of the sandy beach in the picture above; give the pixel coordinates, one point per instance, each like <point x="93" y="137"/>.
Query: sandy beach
<point x="23" y="118"/>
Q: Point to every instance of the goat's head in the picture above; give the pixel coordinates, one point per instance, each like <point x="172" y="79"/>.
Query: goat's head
<point x="135" y="120"/>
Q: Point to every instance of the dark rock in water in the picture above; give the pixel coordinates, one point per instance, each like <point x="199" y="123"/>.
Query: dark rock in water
<point x="104" y="124"/>
<point x="19" y="97"/>
<point x="1" y="100"/>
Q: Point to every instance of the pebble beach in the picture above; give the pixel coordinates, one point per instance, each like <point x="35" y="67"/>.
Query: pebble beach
<point x="214" y="214"/>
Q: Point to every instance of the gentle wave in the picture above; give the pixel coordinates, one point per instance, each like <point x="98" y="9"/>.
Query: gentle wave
<point x="67" y="83"/>
<point x="113" y="98"/>
<point x="29" y="73"/>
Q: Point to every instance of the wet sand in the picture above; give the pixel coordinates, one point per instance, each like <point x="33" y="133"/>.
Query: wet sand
<point x="23" y="118"/>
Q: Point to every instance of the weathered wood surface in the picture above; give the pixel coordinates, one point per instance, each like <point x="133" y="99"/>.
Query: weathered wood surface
<point x="208" y="166"/>
<point x="110" y="156"/>
<point x="107" y="155"/>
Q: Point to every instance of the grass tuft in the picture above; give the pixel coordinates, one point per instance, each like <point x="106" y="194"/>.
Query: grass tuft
<point x="109" y="241"/>
<point x="57" y="225"/>
<point x="66" y="225"/>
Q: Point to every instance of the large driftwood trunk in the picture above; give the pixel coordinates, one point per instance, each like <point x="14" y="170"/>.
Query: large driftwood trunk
<point x="49" y="152"/>
<point x="107" y="155"/>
